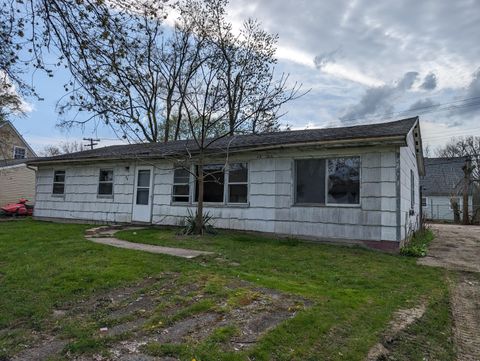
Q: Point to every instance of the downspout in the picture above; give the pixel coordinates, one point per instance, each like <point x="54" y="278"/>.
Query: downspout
<point x="36" y="182"/>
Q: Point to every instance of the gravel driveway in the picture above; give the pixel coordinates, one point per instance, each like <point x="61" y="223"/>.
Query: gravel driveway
<point x="457" y="248"/>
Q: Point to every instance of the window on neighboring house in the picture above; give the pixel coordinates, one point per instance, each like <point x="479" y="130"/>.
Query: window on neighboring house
<point x="19" y="153"/>
<point x="105" y="182"/>
<point x="328" y="181"/>
<point x="181" y="185"/>
<point x="238" y="183"/>
<point x="310" y="181"/>
<point x="213" y="186"/>
<point x="344" y="180"/>
<point x="412" y="189"/>
<point x="59" y="182"/>
<point x="424" y="201"/>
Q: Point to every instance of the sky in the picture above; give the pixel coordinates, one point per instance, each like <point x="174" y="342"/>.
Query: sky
<point x="364" y="61"/>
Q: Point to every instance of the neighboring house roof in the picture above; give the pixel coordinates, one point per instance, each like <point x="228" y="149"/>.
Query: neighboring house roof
<point x="392" y="132"/>
<point x="443" y="176"/>
<point x="6" y="122"/>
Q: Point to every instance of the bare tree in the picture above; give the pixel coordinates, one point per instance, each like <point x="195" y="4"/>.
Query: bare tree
<point x="223" y="96"/>
<point x="62" y="148"/>
<point x="469" y="147"/>
<point x="463" y="147"/>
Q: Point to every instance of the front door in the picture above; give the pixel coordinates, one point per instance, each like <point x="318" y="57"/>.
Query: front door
<point x="142" y="200"/>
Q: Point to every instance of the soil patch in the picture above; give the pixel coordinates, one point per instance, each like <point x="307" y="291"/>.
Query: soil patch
<point x="167" y="309"/>
<point x="455" y="247"/>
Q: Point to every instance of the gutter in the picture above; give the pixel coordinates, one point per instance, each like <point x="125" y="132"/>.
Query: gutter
<point x="398" y="140"/>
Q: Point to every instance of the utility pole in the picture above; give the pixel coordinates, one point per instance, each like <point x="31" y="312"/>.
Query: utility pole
<point x="91" y="141"/>
<point x="467" y="172"/>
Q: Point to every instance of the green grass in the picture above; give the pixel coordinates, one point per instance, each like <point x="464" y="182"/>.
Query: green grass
<point x="353" y="291"/>
<point x="417" y="246"/>
<point x="428" y="339"/>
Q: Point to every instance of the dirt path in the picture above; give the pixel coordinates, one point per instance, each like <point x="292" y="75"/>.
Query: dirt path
<point x="458" y="248"/>
<point x="104" y="235"/>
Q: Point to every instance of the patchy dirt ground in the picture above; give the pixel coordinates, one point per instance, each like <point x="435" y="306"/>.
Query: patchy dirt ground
<point x="165" y="310"/>
<point x="401" y="320"/>
<point x="457" y="248"/>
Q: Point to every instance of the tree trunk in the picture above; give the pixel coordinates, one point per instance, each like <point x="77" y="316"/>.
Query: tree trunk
<point x="199" y="215"/>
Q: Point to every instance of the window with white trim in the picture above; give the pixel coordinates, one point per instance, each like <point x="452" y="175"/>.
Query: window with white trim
<point x="19" y="153"/>
<point x="218" y="182"/>
<point x="105" y="182"/>
<point x="59" y="182"/>
<point x="181" y="185"/>
<point x="424" y="201"/>
<point x="327" y="181"/>
<point x="238" y="183"/>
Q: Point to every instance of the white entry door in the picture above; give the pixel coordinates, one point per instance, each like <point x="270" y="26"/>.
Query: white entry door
<point x="142" y="198"/>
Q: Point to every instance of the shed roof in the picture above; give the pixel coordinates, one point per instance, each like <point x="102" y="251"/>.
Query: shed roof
<point x="397" y="129"/>
<point x="443" y="176"/>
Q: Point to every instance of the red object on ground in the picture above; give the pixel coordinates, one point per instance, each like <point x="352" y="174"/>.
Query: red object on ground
<point x="18" y="209"/>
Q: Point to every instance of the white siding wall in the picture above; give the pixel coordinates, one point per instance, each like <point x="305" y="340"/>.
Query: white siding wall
<point x="438" y="207"/>
<point x="271" y="205"/>
<point x="80" y="200"/>
<point x="271" y="200"/>
<point x="408" y="161"/>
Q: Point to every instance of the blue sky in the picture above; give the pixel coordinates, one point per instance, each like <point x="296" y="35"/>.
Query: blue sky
<point x="364" y="61"/>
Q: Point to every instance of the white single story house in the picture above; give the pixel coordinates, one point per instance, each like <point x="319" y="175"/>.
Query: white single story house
<point x="442" y="183"/>
<point x="356" y="184"/>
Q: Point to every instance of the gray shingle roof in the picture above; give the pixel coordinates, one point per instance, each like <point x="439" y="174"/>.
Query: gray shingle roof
<point x="11" y="162"/>
<point x="443" y="176"/>
<point x="242" y="142"/>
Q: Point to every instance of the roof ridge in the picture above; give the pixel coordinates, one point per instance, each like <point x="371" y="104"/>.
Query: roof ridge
<point x="249" y="142"/>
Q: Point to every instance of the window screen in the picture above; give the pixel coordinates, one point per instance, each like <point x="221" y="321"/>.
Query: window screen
<point x="105" y="182"/>
<point x="59" y="182"/>
<point x="19" y="153"/>
<point x="310" y="181"/>
<point x="213" y="183"/>
<point x="344" y="180"/>
<point x="181" y="185"/>
<point x="238" y="183"/>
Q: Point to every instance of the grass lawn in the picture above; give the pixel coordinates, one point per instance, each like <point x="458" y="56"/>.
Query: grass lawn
<point x="350" y="293"/>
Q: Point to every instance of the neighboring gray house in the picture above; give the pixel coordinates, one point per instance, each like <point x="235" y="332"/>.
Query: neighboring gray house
<point x="359" y="184"/>
<point x="443" y="181"/>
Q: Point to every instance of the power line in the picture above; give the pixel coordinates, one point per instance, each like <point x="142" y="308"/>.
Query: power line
<point x="433" y="108"/>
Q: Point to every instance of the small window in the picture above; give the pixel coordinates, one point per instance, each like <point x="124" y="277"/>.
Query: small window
<point x="344" y="180"/>
<point x="59" y="182"/>
<point x="424" y="201"/>
<point x="412" y="189"/>
<point x="213" y="185"/>
<point x="105" y="182"/>
<point x="310" y="181"/>
<point x="238" y="183"/>
<point x="181" y="185"/>
<point x="19" y="153"/>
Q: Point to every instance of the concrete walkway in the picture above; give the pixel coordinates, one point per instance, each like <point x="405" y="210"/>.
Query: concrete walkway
<point x="104" y="235"/>
<point x="458" y="248"/>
